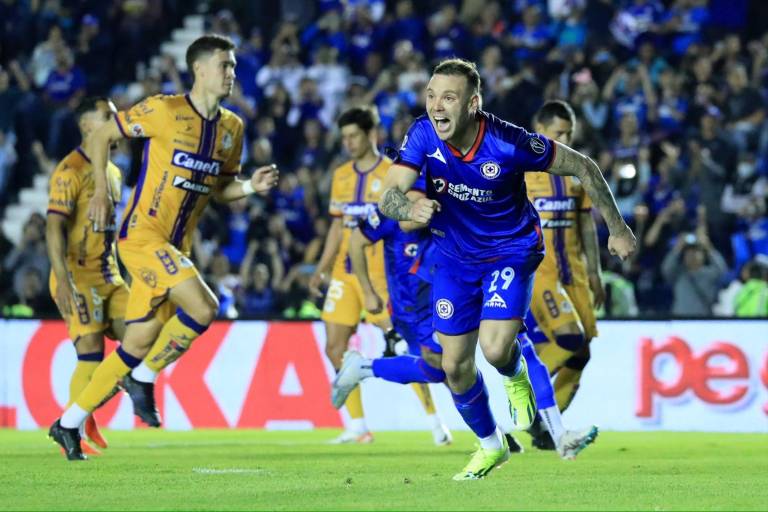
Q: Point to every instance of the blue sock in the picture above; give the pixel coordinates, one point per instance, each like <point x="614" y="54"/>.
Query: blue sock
<point x="539" y="375"/>
<point x="406" y="369"/>
<point x="474" y="407"/>
<point x="512" y="368"/>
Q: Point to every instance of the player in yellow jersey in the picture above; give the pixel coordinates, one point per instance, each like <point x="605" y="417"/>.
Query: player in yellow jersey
<point x="354" y="192"/>
<point x="192" y="152"/>
<point x="567" y="287"/>
<point x="85" y="282"/>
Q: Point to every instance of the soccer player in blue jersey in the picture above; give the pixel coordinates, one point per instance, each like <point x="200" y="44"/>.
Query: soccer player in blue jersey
<point x="410" y="303"/>
<point x="408" y="280"/>
<point x="487" y="237"/>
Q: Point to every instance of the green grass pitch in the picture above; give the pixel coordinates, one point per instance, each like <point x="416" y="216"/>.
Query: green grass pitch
<point x="236" y="470"/>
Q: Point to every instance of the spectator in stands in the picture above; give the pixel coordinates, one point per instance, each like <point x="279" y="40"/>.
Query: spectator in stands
<point x="257" y="297"/>
<point x="225" y="284"/>
<point x="752" y="299"/>
<point x="659" y="96"/>
<point x="64" y="89"/>
<point x="94" y="54"/>
<point x="695" y="269"/>
<point x="30" y="297"/>
<point x="43" y="60"/>
<point x="530" y="38"/>
<point x="745" y="109"/>
<point x="31" y="251"/>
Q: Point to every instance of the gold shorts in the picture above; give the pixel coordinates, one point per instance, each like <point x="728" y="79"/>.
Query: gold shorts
<point x="98" y="303"/>
<point x="344" y="300"/>
<point x="155" y="267"/>
<point x="555" y="305"/>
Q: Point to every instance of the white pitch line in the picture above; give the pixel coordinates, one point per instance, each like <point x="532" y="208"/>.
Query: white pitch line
<point x="229" y="471"/>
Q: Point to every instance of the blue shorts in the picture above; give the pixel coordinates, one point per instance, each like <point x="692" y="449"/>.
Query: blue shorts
<point x="416" y="326"/>
<point x="463" y="295"/>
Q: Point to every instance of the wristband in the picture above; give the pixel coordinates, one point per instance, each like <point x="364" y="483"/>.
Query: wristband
<point x="248" y="188"/>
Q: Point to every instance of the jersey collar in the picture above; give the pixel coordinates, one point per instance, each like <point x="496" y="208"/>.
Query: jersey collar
<point x="82" y="154"/>
<point x="366" y="171"/>
<point x="470" y="155"/>
<point x="201" y="116"/>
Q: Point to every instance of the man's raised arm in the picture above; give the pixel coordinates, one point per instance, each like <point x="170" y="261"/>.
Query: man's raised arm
<point x="97" y="148"/>
<point x="394" y="203"/>
<point x="568" y="162"/>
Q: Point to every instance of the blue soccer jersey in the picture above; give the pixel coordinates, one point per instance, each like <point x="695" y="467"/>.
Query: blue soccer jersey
<point x="487" y="233"/>
<point x="410" y="296"/>
<point x="485" y="211"/>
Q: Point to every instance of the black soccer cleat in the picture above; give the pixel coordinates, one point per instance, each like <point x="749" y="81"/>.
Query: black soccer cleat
<point x="514" y="446"/>
<point x="68" y="439"/>
<point x="391" y="338"/>
<point x="540" y="437"/>
<point x="143" y="397"/>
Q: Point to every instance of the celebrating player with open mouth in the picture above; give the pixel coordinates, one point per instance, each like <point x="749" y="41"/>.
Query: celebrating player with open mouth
<point x="488" y="240"/>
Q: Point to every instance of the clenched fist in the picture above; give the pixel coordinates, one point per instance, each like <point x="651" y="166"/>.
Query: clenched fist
<point x="423" y="209"/>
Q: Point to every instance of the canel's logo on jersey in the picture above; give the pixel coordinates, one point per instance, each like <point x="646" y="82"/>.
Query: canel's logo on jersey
<point x="197" y="163"/>
<point x="362" y="210"/>
<point x="411" y="250"/>
<point x="490" y="170"/>
<point x="375" y="185"/>
<point x="554" y="204"/>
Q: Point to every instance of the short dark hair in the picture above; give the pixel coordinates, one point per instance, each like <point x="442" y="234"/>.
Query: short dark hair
<point x="553" y="109"/>
<point x="89" y="104"/>
<point x="366" y="117"/>
<point x="204" y="45"/>
<point x="463" y="68"/>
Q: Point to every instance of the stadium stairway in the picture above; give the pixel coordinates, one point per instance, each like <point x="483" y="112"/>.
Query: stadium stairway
<point x="35" y="198"/>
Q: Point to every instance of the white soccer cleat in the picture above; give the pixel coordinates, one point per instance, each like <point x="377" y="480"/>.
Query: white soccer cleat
<point x="352" y="437"/>
<point x="573" y="442"/>
<point x="441" y="435"/>
<point x="348" y="377"/>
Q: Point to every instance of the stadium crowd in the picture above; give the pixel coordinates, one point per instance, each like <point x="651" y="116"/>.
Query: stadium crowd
<point x="670" y="96"/>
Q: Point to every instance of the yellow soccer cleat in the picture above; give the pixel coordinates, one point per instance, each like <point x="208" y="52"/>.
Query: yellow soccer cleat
<point x="483" y="461"/>
<point x="522" y="400"/>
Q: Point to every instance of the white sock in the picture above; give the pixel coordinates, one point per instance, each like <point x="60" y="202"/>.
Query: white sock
<point x="74" y="416"/>
<point x="554" y="423"/>
<point x="358" y="426"/>
<point x="493" y="441"/>
<point x="434" y="420"/>
<point x="366" y="369"/>
<point x="144" y="373"/>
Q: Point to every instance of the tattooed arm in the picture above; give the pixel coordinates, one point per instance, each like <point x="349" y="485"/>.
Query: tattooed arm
<point x="394" y="203"/>
<point x="568" y="162"/>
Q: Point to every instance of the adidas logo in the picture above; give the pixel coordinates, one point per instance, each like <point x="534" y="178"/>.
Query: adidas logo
<point x="495" y="302"/>
<point x="437" y="155"/>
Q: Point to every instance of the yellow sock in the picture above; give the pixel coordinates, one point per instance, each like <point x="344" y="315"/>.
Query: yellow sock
<point x="80" y="378"/>
<point x="354" y="403"/>
<point x="425" y="397"/>
<point x="104" y="380"/>
<point x="174" y="339"/>
<point x="566" y="385"/>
